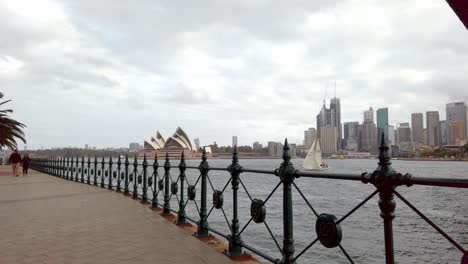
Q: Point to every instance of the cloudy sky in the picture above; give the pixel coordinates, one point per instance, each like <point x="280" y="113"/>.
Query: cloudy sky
<point x="106" y="73"/>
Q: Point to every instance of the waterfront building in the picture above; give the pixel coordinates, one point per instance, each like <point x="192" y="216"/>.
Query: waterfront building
<point x="455" y="112"/>
<point x="351" y="136"/>
<point x="155" y="142"/>
<point x="457" y="132"/>
<point x="331" y="117"/>
<point x="174" y="146"/>
<point x="417" y="127"/>
<point x="368" y="138"/>
<point x="425" y="136"/>
<point x="403" y="133"/>
<point x="432" y="128"/>
<point x="369" y="115"/>
<point x="309" y="136"/>
<point x="382" y="124"/>
<point x="443" y="133"/>
<point x="391" y="135"/>
<point x="134" y="146"/>
<point x="293" y="148"/>
<point x="234" y="141"/>
<point x="328" y="140"/>
<point x="197" y="144"/>
<point x="257" y="146"/>
<point x="275" y="149"/>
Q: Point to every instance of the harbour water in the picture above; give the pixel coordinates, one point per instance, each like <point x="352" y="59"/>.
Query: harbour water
<point x="415" y="240"/>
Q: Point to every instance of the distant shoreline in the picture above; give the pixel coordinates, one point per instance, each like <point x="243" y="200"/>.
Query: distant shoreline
<point x="280" y="158"/>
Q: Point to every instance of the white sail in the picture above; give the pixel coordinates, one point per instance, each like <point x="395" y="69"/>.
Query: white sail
<point x="318" y="153"/>
<point x="310" y="162"/>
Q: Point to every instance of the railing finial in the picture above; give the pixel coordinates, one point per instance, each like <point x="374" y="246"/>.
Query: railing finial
<point x="286" y="151"/>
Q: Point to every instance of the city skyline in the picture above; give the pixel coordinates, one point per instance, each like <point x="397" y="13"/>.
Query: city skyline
<point x="99" y="75"/>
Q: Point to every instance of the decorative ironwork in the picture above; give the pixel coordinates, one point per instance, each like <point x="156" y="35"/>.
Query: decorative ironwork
<point x="218" y="199"/>
<point x="328" y="230"/>
<point x="191" y="192"/>
<point x="257" y="211"/>
<point x="174" y="187"/>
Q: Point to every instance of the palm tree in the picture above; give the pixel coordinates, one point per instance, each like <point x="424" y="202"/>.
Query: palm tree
<point x="10" y="129"/>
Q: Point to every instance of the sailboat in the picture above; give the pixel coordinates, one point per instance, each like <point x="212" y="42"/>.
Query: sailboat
<point x="313" y="160"/>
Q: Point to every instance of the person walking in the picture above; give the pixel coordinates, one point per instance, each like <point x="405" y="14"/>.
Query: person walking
<point x="15" y="160"/>
<point x="25" y="162"/>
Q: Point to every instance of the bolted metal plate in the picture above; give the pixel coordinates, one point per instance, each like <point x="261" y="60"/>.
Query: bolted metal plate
<point x="191" y="192"/>
<point x="140" y="179"/>
<point x="150" y="181"/>
<point x="218" y="199"/>
<point x="114" y="174"/>
<point x="174" y="187"/>
<point x="130" y="177"/>
<point x="161" y="184"/>
<point x="85" y="170"/>
<point x="328" y="231"/>
<point x="257" y="211"/>
<point x="106" y="173"/>
<point x="122" y="176"/>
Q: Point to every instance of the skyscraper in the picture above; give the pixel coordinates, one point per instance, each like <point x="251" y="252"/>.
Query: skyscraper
<point x="403" y="133"/>
<point x="455" y="112"/>
<point x="309" y="136"/>
<point x="197" y="144"/>
<point x="417" y="127"/>
<point x="432" y="128"/>
<point x="330" y="117"/>
<point x="382" y="124"/>
<point x="457" y="132"/>
<point x="234" y="141"/>
<point x="368" y="137"/>
<point x="328" y="139"/>
<point x="351" y="135"/>
<point x="444" y="139"/>
<point x="369" y="115"/>
<point x="391" y="135"/>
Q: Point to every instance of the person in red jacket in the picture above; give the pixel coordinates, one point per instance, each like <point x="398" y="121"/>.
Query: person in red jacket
<point x="25" y="163"/>
<point x="15" y="160"/>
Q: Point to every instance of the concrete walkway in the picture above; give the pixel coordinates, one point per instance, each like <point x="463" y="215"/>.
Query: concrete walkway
<point x="44" y="219"/>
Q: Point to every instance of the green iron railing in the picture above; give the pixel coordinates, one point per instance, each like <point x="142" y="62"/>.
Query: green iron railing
<point x="123" y="174"/>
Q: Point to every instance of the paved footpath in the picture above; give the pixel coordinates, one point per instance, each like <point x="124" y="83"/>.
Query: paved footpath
<point x="44" y="219"/>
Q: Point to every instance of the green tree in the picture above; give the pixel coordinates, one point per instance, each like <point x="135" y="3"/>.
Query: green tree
<point x="10" y="129"/>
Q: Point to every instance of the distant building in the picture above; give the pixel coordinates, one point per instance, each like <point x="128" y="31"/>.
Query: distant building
<point x="351" y="136"/>
<point x="391" y="135"/>
<point x="309" y="136"/>
<point x="443" y="132"/>
<point x="382" y="124"/>
<point x="457" y="132"/>
<point x="328" y="139"/>
<point x="403" y="134"/>
<point x="330" y="117"/>
<point x="234" y="141"/>
<point x="292" y="148"/>
<point x="174" y="145"/>
<point x="257" y="146"/>
<point x="368" y="137"/>
<point x="456" y="112"/>
<point x="275" y="149"/>
<point x="369" y="115"/>
<point x="432" y="128"/>
<point x="417" y="127"/>
<point x="86" y="146"/>
<point x="197" y="144"/>
<point x="134" y="146"/>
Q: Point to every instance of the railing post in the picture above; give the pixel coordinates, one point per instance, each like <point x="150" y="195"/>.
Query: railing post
<point x="135" y="176"/>
<point x="126" y="192"/>
<point x="95" y="183"/>
<point x="181" y="213"/>
<point x="235" y="248"/>
<point x="71" y="169"/>
<point x="144" y="195"/>
<point x="286" y="172"/>
<point x="154" y="202"/>
<point x="202" y="225"/>
<point x="82" y="169"/>
<point x="103" y="184"/>
<point x="109" y="184"/>
<point x="167" y="205"/>
<point x="88" y="179"/>
<point x="67" y="169"/>
<point x="119" y="163"/>
<point x="77" y="179"/>
<point x="62" y="167"/>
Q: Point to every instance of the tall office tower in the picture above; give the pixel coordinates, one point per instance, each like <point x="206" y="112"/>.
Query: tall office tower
<point x="369" y="115"/>
<point x="275" y="149"/>
<point x="257" y="146"/>
<point x="403" y="133"/>
<point x="443" y="133"/>
<point x="368" y="136"/>
<point x="457" y="132"/>
<point x="425" y="136"/>
<point x="417" y="127"/>
<point x="351" y="135"/>
<point x="234" y="141"/>
<point x="391" y="135"/>
<point x="455" y="112"/>
<point x="330" y="117"/>
<point x="328" y="140"/>
<point x="309" y="136"/>
<point x="382" y="124"/>
<point x="197" y="144"/>
<point x="432" y="128"/>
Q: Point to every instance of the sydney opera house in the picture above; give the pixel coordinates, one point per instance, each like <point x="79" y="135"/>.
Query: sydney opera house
<point x="174" y="145"/>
